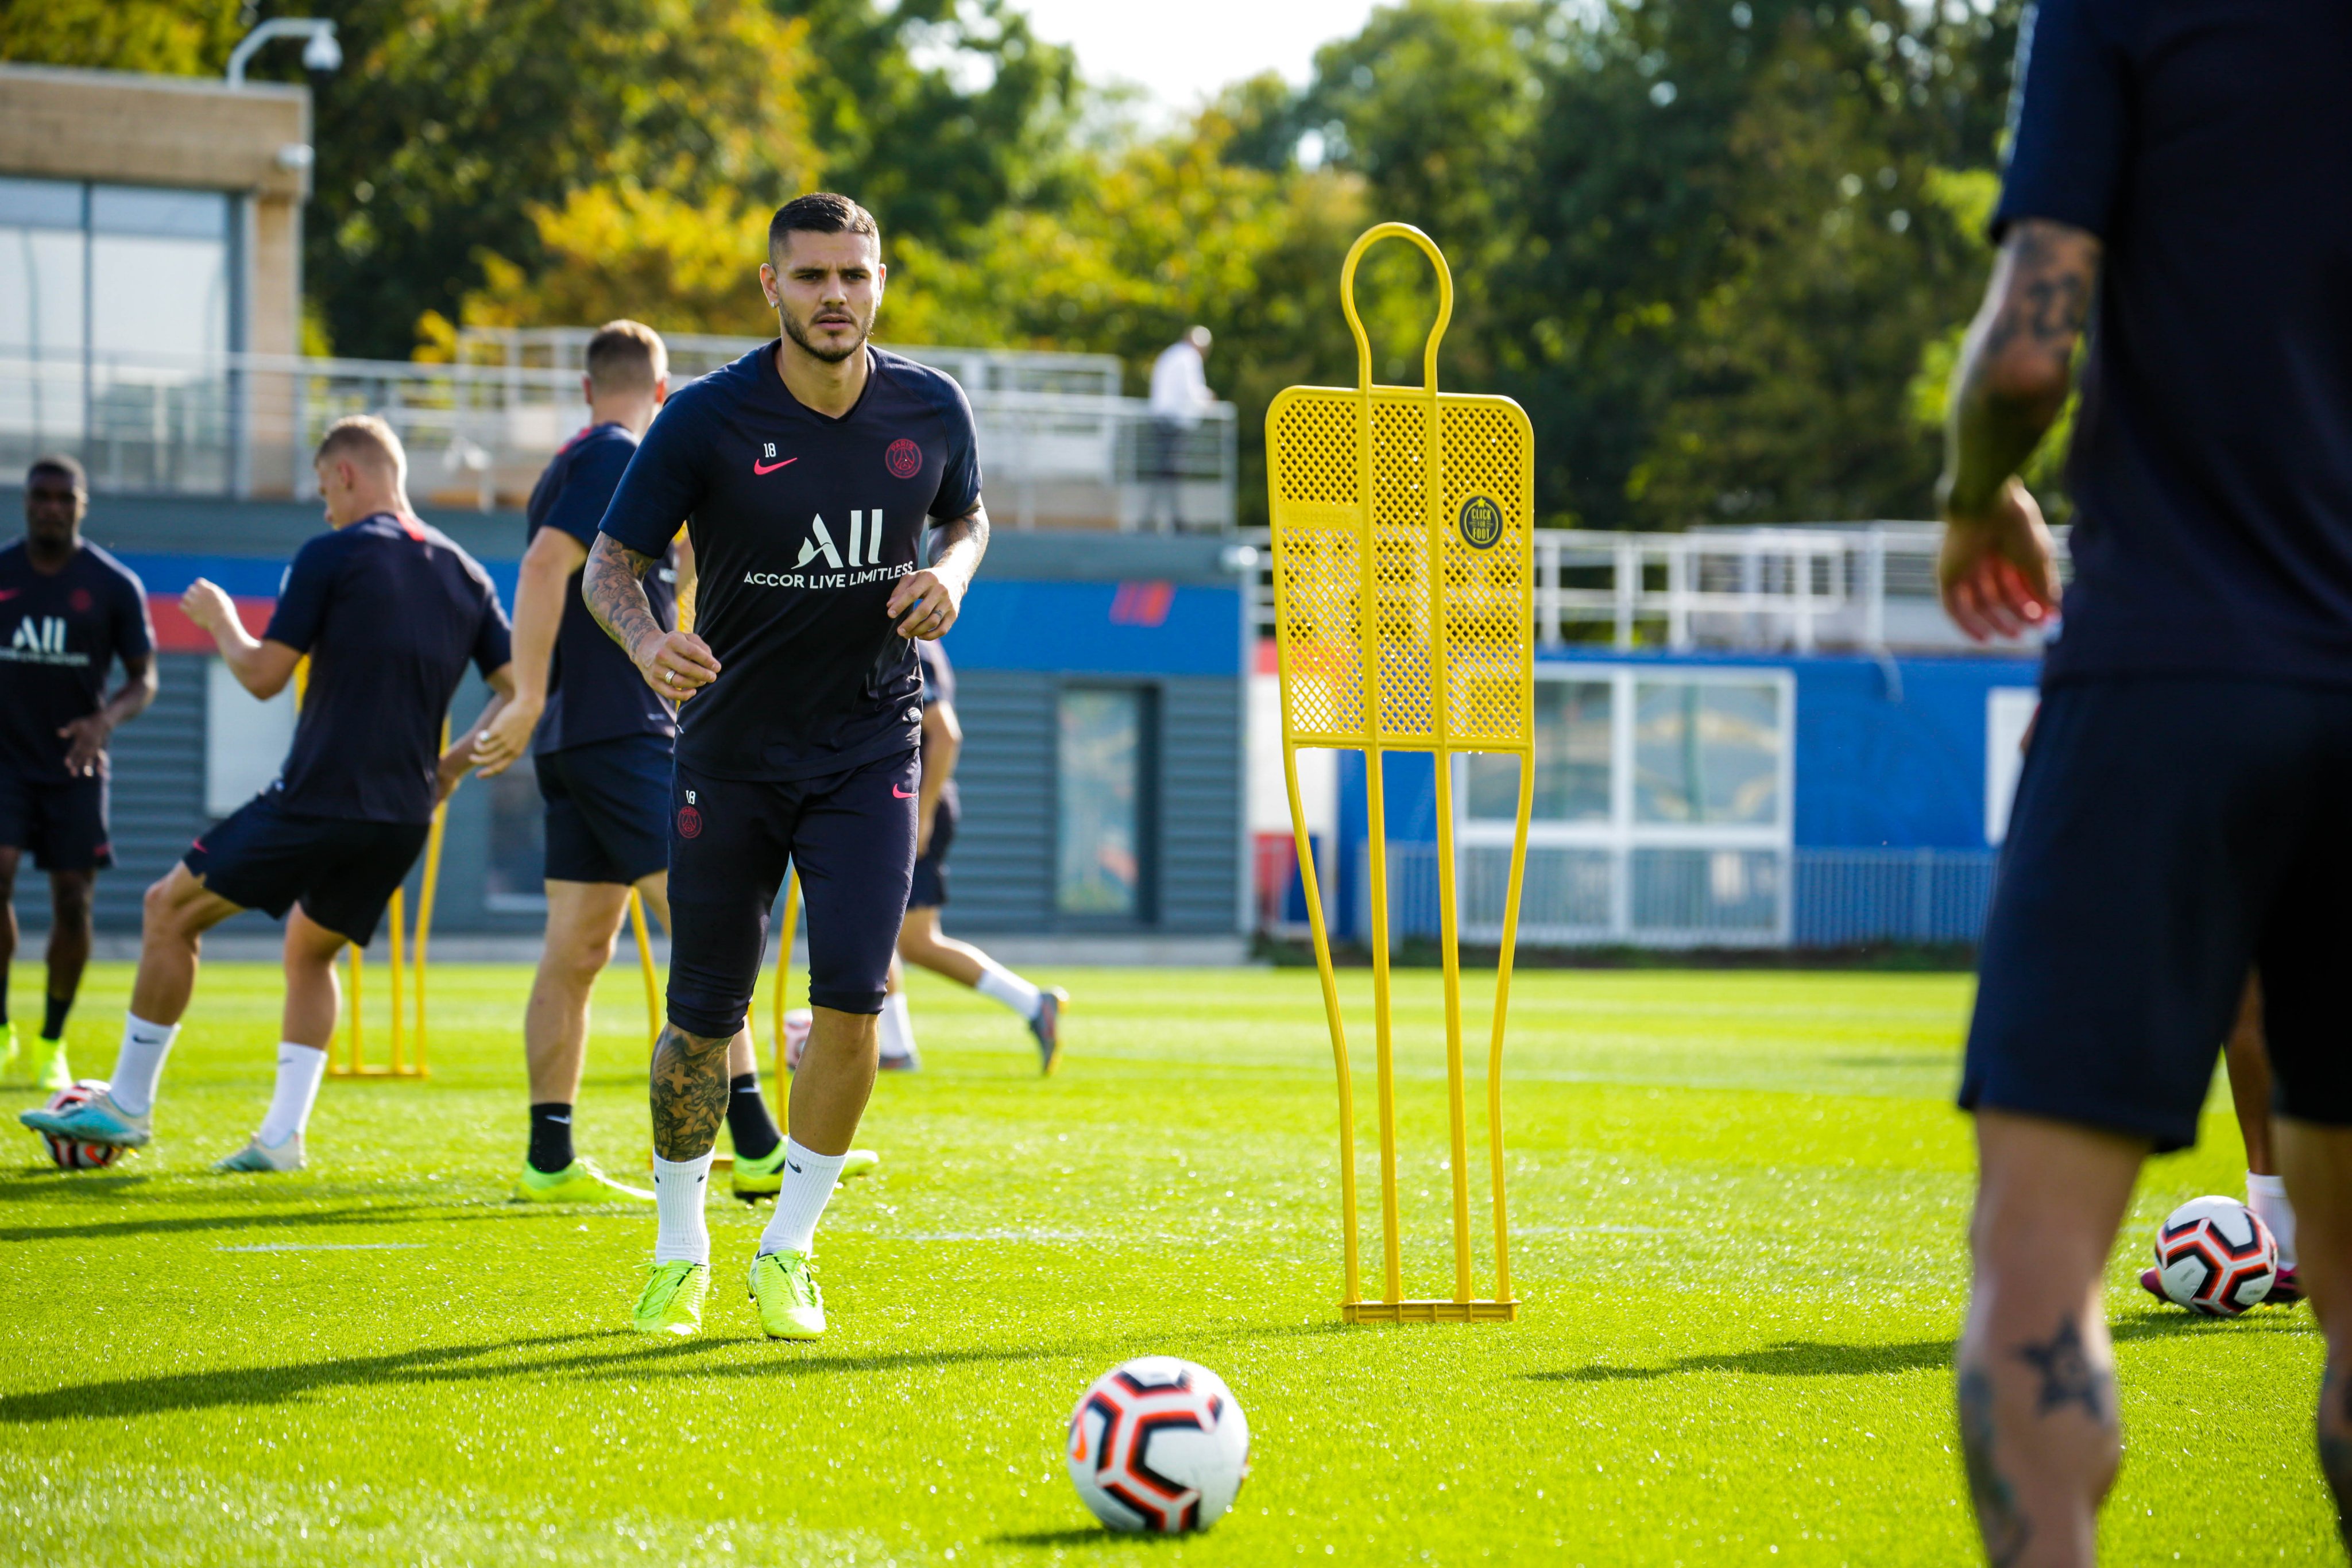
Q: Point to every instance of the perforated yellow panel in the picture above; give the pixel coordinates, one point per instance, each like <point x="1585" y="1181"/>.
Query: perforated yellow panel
<point x="1333" y="563"/>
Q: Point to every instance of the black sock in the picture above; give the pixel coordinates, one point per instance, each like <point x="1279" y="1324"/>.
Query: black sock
<point x="551" y="1137"/>
<point x="53" y="1017"/>
<point x="748" y="1122"/>
<point x="4" y="996"/>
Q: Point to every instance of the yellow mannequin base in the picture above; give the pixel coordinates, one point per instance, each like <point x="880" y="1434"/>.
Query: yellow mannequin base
<point x="1429" y="1311"/>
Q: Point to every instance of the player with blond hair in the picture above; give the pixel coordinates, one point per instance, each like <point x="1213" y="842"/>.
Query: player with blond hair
<point x="389" y="612"/>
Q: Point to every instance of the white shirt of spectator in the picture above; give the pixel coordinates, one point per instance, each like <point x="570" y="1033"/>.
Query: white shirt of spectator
<point x="1180" y="384"/>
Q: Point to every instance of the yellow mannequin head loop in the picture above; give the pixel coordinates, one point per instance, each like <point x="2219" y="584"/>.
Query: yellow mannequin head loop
<point x="1371" y="237"/>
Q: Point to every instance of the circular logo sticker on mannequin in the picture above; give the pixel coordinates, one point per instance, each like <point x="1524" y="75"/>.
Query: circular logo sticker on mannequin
<point x="1481" y="522"/>
<point x="903" y="458"/>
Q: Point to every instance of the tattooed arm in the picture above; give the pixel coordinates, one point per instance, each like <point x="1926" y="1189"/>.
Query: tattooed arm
<point x="675" y="664"/>
<point x="2015" y="371"/>
<point x="926" y="604"/>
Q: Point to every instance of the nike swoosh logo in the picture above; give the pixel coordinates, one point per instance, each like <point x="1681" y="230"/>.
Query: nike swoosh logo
<point x="760" y="467"/>
<point x="899" y="794"/>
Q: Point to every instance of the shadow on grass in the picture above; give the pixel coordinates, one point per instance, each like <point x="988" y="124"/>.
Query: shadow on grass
<point x="612" y="1355"/>
<point x="1793" y="1358"/>
<point x="264" y="1219"/>
<point x="1080" y="1537"/>
<point x="2160" y="1323"/>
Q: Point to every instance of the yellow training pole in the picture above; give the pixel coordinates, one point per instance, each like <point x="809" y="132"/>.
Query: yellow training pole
<point x="359" y="1044"/>
<point x="1315" y="923"/>
<point x="646" y="963"/>
<point x="776" y="1004"/>
<point x="427" y="896"/>
<point x="396" y="911"/>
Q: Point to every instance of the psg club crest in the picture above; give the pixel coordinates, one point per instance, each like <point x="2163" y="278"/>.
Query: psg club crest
<point x="79" y="600"/>
<point x="903" y="458"/>
<point x="689" y="822"/>
<point x="1481" y="522"/>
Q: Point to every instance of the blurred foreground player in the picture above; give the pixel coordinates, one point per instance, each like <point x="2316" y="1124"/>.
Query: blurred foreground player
<point x="67" y="612"/>
<point x="921" y="940"/>
<point x="390" y="612"/>
<point x="2179" y="819"/>
<point x="601" y="754"/>
<point x="810" y="468"/>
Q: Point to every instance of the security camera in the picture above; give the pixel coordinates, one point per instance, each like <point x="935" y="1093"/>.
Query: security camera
<point x="322" y="53"/>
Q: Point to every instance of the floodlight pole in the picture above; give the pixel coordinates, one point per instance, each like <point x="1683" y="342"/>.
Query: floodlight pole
<point x="322" y="54"/>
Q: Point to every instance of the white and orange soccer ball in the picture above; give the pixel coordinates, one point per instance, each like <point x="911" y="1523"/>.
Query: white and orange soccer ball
<point x="2215" y="1256"/>
<point x="1159" y="1444"/>
<point x="69" y="1154"/>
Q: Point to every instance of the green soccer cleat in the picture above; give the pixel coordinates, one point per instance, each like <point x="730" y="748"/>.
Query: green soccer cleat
<point x="50" y="1070"/>
<point x="96" y="1120"/>
<point x="579" y="1182"/>
<point x="12" y="1057"/>
<point x="765" y="1178"/>
<point x="672" y="1300"/>
<point x="783" y="1284"/>
<point x="259" y="1158"/>
<point x="1047" y="1026"/>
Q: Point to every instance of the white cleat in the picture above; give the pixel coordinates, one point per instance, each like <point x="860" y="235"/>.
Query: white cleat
<point x="257" y="1155"/>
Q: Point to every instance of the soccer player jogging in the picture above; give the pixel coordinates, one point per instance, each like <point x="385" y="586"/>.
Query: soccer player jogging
<point x="2180" y="818"/>
<point x="389" y="612"/>
<point x="809" y="469"/>
<point x="69" y="610"/>
<point x="921" y="940"/>
<point x="600" y="743"/>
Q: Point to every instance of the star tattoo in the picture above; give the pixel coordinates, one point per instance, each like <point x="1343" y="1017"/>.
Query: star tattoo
<point x="2067" y="1376"/>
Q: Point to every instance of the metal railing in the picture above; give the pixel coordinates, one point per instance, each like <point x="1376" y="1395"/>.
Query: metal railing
<point x="1665" y="898"/>
<point x="1799" y="588"/>
<point x="479" y="433"/>
<point x="695" y="354"/>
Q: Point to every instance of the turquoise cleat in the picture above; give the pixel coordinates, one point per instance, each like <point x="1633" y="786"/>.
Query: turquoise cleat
<point x="783" y="1284"/>
<point x="97" y="1119"/>
<point x="672" y="1301"/>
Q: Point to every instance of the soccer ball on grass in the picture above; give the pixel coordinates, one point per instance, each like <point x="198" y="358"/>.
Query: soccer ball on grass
<point x="2215" y="1256"/>
<point x="1158" y="1444"/>
<point x="69" y="1154"/>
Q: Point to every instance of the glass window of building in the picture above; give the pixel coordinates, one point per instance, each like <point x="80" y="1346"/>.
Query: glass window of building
<point x="1571" y="760"/>
<point x="1706" y="752"/>
<point x="1100" y="856"/>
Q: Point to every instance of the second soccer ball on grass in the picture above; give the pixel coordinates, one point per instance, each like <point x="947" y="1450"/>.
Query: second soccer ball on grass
<point x="2214" y="1256"/>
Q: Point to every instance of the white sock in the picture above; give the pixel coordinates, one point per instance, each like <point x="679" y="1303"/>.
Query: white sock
<point x="1000" y="984"/>
<point x="809" y="1180"/>
<point x="139" y="1065"/>
<point x="897" y="1027"/>
<point x="679" y="1188"/>
<point x="299" y="1070"/>
<point x="2266" y="1196"/>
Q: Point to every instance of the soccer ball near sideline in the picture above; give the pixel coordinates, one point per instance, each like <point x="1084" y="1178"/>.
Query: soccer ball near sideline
<point x="2214" y="1256"/>
<point x="1159" y="1444"/>
<point x="69" y="1154"/>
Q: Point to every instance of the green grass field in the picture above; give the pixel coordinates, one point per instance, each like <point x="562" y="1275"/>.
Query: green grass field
<point x="1738" y="1200"/>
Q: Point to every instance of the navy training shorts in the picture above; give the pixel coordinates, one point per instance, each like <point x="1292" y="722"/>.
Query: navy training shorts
<point x="607" y="808"/>
<point x="2168" y="832"/>
<point x="342" y="870"/>
<point x="62" y="820"/>
<point x="929" y="890"/>
<point x="852" y="836"/>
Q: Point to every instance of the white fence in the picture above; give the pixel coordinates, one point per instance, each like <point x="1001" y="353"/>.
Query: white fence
<point x="1668" y="898"/>
<point x="1869" y="586"/>
<point x="480" y="430"/>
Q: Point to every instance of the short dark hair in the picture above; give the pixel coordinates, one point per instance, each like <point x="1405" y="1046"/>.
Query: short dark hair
<point x="60" y="463"/>
<point x="823" y="213"/>
<point x="626" y="356"/>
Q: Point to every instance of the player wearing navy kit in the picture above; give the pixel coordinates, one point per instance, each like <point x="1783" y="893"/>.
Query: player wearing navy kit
<point x="67" y="612"/>
<point x="808" y="471"/>
<point x="389" y="612"/>
<point x="2180" y="816"/>
<point x="939" y="807"/>
<point x="599" y="741"/>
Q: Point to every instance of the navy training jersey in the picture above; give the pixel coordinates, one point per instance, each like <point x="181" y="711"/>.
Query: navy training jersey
<point x="390" y="611"/>
<point x="939" y="686"/>
<point x="59" y="633"/>
<point x="802" y="525"/>
<point x="593" y="691"/>
<point x="2206" y="143"/>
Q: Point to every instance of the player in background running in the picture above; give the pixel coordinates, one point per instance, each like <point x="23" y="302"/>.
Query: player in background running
<point x="599" y="741"/>
<point x="389" y="612"/>
<point x="921" y="940"/>
<point x="69" y="610"/>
